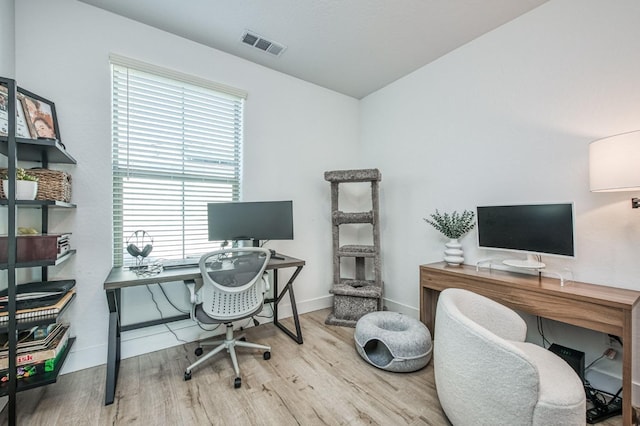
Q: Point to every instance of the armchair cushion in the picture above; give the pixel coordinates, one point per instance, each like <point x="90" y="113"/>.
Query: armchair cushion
<point x="558" y="390"/>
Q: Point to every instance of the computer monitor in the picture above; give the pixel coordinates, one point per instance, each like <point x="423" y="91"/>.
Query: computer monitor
<point x="253" y="220"/>
<point x="534" y="229"/>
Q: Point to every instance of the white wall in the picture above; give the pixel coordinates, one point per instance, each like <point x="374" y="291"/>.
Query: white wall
<point x="294" y="131"/>
<point x="7" y="38"/>
<point x="508" y="118"/>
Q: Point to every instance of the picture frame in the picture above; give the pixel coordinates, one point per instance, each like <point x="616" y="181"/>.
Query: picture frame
<point x="42" y="123"/>
<point x="39" y="116"/>
<point x="4" y="114"/>
<point x="22" y="129"/>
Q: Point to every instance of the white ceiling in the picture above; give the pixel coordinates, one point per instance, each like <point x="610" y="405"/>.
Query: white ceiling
<point x="354" y="47"/>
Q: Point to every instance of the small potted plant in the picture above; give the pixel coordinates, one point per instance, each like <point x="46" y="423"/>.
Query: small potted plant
<point x="453" y="226"/>
<point x="26" y="185"/>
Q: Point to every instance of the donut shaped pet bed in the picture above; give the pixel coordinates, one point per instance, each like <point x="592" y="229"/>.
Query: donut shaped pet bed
<point x="393" y="342"/>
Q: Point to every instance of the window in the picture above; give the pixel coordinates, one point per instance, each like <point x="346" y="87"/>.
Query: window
<point x="177" y="145"/>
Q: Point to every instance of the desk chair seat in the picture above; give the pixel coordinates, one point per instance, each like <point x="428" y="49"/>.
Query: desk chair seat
<point x="233" y="287"/>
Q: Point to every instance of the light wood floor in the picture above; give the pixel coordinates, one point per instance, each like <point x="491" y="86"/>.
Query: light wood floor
<point x="321" y="382"/>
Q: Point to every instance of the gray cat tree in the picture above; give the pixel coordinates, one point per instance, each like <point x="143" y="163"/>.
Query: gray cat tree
<point x="356" y="296"/>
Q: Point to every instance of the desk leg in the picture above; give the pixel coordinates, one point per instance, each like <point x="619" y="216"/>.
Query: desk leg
<point x="428" y="305"/>
<point x="288" y="288"/>
<point x="113" y="350"/>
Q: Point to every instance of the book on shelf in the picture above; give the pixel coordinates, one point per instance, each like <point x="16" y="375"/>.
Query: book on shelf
<point x="55" y="346"/>
<point x="33" y="339"/>
<point x="38" y="290"/>
<point x="34" y="369"/>
<point x="50" y="309"/>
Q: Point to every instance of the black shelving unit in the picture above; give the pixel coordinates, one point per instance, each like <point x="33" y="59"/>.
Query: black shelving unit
<point x="37" y="150"/>
<point x="40" y="203"/>
<point x="42" y="263"/>
<point x="44" y="151"/>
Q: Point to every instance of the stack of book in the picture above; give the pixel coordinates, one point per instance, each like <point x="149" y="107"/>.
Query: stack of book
<point x="39" y="350"/>
<point x="38" y="299"/>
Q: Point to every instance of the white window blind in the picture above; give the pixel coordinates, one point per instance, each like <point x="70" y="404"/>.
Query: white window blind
<point x="176" y="147"/>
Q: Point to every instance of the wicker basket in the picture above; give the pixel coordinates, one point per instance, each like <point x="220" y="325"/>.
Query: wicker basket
<point x="52" y="184"/>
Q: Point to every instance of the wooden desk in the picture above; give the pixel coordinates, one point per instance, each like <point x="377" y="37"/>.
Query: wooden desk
<point x="605" y="309"/>
<point x="120" y="278"/>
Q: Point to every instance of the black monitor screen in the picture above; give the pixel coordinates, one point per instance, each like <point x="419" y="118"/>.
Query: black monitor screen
<point x="539" y="228"/>
<point x="259" y="220"/>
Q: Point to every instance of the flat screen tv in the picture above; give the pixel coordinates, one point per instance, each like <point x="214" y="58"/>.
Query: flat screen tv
<point x="254" y="220"/>
<point x="534" y="229"/>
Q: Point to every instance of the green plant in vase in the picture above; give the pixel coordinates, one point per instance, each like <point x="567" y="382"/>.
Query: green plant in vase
<point x="26" y="185"/>
<point x="21" y="174"/>
<point x="453" y="226"/>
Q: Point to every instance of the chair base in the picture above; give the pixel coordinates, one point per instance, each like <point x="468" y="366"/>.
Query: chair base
<point x="229" y="343"/>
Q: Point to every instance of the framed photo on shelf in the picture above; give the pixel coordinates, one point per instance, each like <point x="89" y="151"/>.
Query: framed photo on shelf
<point x="22" y="129"/>
<point x="4" y="114"/>
<point x="40" y="116"/>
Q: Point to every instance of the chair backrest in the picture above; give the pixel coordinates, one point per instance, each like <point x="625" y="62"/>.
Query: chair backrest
<point x="478" y="369"/>
<point x="233" y="282"/>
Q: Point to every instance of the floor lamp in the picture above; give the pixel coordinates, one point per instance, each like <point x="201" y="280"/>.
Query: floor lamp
<point x="614" y="164"/>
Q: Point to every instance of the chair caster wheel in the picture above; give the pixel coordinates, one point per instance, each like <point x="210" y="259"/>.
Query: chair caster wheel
<point x="237" y="382"/>
<point x="198" y="351"/>
<point x="266" y="355"/>
<point x="187" y="375"/>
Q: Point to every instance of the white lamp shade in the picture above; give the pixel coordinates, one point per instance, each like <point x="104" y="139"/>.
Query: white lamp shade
<point x="614" y="163"/>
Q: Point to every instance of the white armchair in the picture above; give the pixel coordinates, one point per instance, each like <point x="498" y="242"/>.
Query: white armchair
<point x="486" y="374"/>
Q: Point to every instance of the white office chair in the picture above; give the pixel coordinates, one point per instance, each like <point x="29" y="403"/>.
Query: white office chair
<point x="233" y="287"/>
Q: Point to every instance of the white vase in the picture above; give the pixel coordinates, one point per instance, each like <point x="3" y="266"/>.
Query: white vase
<point x="453" y="254"/>
<point x="25" y="189"/>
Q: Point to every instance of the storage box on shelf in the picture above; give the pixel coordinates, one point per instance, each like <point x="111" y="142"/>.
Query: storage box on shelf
<point x="53" y="185"/>
<point x="32" y="248"/>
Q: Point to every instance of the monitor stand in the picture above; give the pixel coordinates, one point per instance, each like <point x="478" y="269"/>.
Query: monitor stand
<point x="531" y="262"/>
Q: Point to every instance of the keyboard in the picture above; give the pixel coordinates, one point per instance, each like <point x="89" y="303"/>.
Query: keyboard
<point x="180" y="263"/>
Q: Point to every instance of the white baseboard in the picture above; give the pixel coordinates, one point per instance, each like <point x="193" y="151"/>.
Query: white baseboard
<point x="84" y="358"/>
<point x="310" y="305"/>
<point x="392" y="305"/>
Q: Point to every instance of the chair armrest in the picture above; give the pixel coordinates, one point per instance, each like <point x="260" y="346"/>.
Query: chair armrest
<point x="267" y="285"/>
<point x="191" y="287"/>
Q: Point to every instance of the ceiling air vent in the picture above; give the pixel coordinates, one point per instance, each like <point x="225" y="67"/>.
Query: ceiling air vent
<point x="259" y="42"/>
